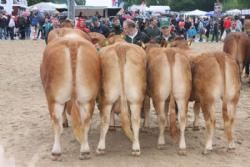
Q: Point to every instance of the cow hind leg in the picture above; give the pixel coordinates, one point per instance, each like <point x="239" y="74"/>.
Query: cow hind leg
<point x="229" y="110"/>
<point x="209" y="116"/>
<point x="160" y="109"/>
<point x="56" y="111"/>
<point x="196" y="116"/>
<point x="86" y="111"/>
<point x="105" y="119"/>
<point x="146" y="110"/>
<point x="135" y="120"/>
<point x="182" y="117"/>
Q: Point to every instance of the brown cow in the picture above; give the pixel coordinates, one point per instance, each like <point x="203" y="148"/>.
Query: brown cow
<point x="221" y="81"/>
<point x="209" y="84"/>
<point x="124" y="81"/>
<point x="70" y="71"/>
<point x="169" y="74"/>
<point x="236" y="45"/>
<point x="247" y="26"/>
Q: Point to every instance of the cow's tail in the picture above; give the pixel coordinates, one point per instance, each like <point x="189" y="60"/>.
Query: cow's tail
<point x="124" y="115"/>
<point x="172" y="105"/>
<point x="77" y="125"/>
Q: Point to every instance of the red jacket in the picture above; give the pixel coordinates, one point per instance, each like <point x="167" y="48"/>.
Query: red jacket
<point x="82" y="25"/>
<point x="227" y="24"/>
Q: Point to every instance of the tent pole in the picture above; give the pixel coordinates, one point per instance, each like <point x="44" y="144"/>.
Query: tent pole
<point x="71" y="10"/>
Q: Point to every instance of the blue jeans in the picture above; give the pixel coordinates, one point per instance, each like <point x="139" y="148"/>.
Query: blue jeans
<point x="3" y="33"/>
<point x="27" y="32"/>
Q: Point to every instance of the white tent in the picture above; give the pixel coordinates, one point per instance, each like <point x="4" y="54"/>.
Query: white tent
<point x="138" y="7"/>
<point x="233" y="12"/>
<point x="47" y="6"/>
<point x="107" y="3"/>
<point x="195" y="13"/>
<point x="160" y="9"/>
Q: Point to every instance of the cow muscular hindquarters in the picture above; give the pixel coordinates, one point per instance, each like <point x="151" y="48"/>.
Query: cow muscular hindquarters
<point x="209" y="84"/>
<point x="169" y="78"/>
<point x="70" y="71"/>
<point x="123" y="81"/>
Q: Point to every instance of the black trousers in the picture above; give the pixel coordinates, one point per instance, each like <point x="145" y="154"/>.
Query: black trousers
<point x="11" y="32"/>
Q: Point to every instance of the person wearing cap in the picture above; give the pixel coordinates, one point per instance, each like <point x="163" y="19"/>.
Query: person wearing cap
<point x="98" y="27"/>
<point x="133" y="35"/>
<point x="166" y="34"/>
<point x="152" y="30"/>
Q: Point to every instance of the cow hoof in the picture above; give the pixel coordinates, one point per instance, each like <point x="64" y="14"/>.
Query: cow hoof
<point x="145" y="130"/>
<point x="206" y="152"/>
<point x="56" y="157"/>
<point x="182" y="152"/>
<point x="161" y="146"/>
<point x="84" y="155"/>
<point x="100" y="151"/>
<point x="196" y="128"/>
<point x="65" y="125"/>
<point x="112" y="128"/>
<point x="136" y="153"/>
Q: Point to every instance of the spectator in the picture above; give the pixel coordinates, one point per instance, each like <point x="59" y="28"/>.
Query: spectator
<point x="238" y="24"/>
<point x="3" y="27"/>
<point x="98" y="27"/>
<point x="207" y="28"/>
<point x="181" y="31"/>
<point x="153" y="31"/>
<point x="166" y="35"/>
<point x="27" y="27"/>
<point x="40" y="27"/>
<point x="215" y="30"/>
<point x="11" y="26"/>
<point x="81" y="25"/>
<point x="191" y="33"/>
<point x="133" y="35"/>
<point x="116" y="26"/>
<point x="47" y="27"/>
<point x="34" y="24"/>
<point x="21" y="26"/>
<point x="227" y="24"/>
<point x="201" y="29"/>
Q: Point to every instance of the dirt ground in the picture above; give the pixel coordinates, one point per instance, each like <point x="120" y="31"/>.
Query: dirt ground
<point x="27" y="137"/>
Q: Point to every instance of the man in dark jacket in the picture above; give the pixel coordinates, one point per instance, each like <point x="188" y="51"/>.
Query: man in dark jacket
<point x="132" y="34"/>
<point x="166" y="36"/>
<point x="98" y="27"/>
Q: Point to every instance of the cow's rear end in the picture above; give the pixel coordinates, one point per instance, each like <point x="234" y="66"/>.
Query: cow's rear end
<point x="70" y="71"/>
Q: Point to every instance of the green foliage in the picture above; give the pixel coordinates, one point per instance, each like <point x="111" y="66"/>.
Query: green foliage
<point x="32" y="2"/>
<point x="236" y="4"/>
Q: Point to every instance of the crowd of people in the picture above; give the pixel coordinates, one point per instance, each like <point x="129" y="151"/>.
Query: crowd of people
<point x="37" y="25"/>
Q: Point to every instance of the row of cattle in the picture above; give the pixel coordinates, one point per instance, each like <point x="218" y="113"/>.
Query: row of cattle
<point x="121" y="75"/>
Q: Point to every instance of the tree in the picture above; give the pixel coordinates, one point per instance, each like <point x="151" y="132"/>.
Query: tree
<point x="32" y="2"/>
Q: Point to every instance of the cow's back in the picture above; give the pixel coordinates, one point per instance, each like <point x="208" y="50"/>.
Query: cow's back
<point x="61" y="32"/>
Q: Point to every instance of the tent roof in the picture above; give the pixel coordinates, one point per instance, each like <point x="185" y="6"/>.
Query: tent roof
<point x="47" y="6"/>
<point x="196" y="13"/>
<point x="161" y="9"/>
<point x="107" y="3"/>
<point x="233" y="11"/>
